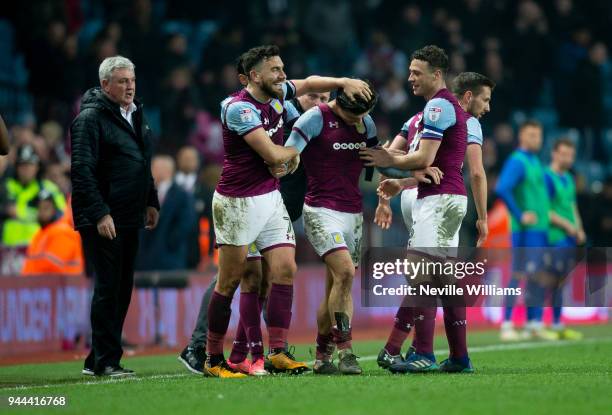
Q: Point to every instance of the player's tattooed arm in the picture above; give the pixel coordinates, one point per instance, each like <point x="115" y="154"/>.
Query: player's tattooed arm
<point x="315" y="83"/>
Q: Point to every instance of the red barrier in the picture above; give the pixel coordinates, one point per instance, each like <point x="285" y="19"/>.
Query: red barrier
<point x="37" y="313"/>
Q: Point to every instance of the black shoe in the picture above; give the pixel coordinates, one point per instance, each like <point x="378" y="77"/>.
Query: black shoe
<point x="325" y="367"/>
<point x="348" y="364"/>
<point x="88" y="366"/>
<point x="115" y="372"/>
<point x="385" y="359"/>
<point x="193" y="358"/>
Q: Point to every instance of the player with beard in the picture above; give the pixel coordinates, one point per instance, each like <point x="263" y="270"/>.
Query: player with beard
<point x="247" y="207"/>
<point x="293" y="190"/>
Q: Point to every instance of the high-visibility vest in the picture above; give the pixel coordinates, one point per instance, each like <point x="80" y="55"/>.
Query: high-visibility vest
<point x="21" y="229"/>
<point x="499" y="227"/>
<point x="55" y="249"/>
<point x="205" y="243"/>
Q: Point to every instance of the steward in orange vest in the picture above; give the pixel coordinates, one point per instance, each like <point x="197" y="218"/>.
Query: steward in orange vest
<point x="56" y="247"/>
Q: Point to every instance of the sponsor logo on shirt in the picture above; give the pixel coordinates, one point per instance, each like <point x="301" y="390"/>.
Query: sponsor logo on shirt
<point x="349" y="146"/>
<point x="273" y="131"/>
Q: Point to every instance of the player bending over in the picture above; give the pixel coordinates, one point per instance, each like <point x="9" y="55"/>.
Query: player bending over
<point x="329" y="137"/>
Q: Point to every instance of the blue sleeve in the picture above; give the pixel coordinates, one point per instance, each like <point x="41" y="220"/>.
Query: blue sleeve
<point x="394" y="172"/>
<point x="371" y="131"/>
<point x="288" y="90"/>
<point x="406" y="128"/>
<point x="550" y="186"/>
<point x="241" y="117"/>
<point x="438" y="116"/>
<point x="291" y="113"/>
<point x="224" y="103"/>
<point x="474" y="131"/>
<point x="307" y="127"/>
<point x="511" y="175"/>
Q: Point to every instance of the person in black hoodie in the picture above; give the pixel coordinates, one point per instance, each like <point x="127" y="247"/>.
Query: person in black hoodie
<point x="113" y="196"/>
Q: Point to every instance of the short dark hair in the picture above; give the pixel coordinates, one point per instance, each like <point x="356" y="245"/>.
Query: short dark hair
<point x="470" y="81"/>
<point x="256" y="55"/>
<point x="240" y="66"/>
<point x="358" y="105"/>
<point x="434" y="55"/>
<point x="563" y="141"/>
<point x="530" y="123"/>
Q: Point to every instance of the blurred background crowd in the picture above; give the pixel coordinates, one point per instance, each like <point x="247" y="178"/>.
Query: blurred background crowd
<point x="549" y="58"/>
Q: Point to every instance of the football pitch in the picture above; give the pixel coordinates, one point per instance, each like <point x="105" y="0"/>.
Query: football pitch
<point x="514" y="378"/>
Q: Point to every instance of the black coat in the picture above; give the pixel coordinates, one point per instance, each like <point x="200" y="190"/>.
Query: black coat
<point x="111" y="164"/>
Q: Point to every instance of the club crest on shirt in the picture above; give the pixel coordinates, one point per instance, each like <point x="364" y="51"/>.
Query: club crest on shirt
<point x="334" y="124"/>
<point x="434" y="114"/>
<point x="278" y="107"/>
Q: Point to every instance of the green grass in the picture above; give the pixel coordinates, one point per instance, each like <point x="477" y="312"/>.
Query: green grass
<point x="526" y="378"/>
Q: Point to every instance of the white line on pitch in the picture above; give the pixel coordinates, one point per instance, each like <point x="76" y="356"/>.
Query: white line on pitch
<point x="476" y="349"/>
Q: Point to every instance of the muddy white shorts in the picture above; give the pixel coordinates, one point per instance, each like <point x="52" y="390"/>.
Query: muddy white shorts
<point x="329" y="230"/>
<point x="261" y="219"/>
<point x="408" y="197"/>
<point x="437" y="220"/>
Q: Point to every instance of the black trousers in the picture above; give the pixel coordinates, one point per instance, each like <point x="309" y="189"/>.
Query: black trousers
<point x="200" y="332"/>
<point x="113" y="264"/>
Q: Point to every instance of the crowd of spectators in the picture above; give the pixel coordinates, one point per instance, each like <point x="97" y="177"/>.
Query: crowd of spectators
<point x="549" y="59"/>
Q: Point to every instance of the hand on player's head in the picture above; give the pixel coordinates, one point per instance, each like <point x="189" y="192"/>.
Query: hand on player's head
<point x="357" y="97"/>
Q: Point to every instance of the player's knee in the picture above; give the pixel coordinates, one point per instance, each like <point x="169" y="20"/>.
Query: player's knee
<point x="284" y="272"/>
<point x="251" y="280"/>
<point x="227" y="286"/>
<point x="344" y="277"/>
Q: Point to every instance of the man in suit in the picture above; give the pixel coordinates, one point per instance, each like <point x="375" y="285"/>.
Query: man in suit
<point x="165" y="248"/>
